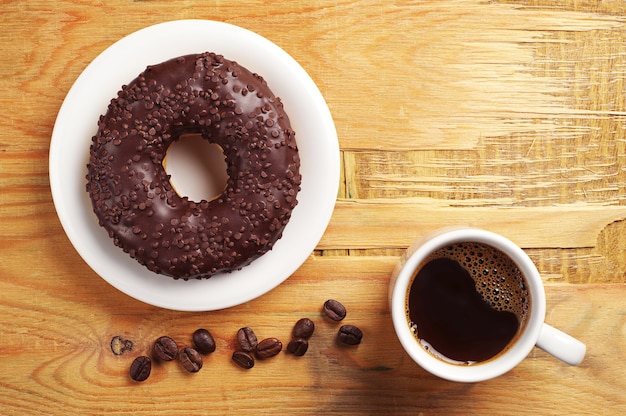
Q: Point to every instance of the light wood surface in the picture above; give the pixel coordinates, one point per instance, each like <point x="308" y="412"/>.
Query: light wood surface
<point x="506" y="115"/>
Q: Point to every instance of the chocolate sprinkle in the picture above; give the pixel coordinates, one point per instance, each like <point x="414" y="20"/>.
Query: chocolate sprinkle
<point x="131" y="193"/>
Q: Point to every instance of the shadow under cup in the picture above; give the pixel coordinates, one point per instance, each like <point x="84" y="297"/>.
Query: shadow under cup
<point x="467" y="305"/>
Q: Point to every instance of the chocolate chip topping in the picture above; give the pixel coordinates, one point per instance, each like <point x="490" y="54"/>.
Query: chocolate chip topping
<point x="131" y="193"/>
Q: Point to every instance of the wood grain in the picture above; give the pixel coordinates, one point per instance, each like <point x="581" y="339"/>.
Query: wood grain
<point x="505" y="115"/>
<point x="73" y="362"/>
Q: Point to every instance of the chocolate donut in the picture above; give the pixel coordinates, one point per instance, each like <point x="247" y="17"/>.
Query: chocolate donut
<point x="130" y="190"/>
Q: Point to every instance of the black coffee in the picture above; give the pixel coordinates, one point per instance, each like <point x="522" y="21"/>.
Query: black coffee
<point x="467" y="302"/>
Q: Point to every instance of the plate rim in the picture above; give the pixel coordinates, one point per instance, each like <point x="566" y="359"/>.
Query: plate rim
<point x="331" y="162"/>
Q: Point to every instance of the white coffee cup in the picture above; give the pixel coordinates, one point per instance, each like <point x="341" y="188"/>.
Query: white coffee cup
<point x="534" y="333"/>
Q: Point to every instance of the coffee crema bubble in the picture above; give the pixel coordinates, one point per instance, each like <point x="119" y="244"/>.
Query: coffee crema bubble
<point x="467" y="302"/>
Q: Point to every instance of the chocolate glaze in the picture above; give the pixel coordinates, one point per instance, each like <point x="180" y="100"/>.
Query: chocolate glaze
<point x="131" y="193"/>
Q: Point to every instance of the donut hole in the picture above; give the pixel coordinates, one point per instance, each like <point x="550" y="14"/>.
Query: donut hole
<point x="197" y="168"/>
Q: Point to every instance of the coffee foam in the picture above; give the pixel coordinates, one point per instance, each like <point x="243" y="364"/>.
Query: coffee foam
<point x="497" y="279"/>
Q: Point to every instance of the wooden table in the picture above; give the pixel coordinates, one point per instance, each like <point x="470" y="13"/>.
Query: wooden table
<point x="505" y="115"/>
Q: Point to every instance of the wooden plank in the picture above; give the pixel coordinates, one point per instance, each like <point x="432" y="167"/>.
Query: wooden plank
<point x="447" y="87"/>
<point x="60" y="362"/>
<point x="384" y="223"/>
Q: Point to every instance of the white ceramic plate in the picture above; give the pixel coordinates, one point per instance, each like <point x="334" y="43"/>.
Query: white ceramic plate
<point x="119" y="64"/>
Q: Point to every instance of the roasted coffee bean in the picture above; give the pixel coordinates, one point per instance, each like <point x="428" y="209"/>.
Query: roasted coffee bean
<point x="243" y="359"/>
<point x="203" y="340"/>
<point x="120" y="345"/>
<point x="268" y="348"/>
<point x="190" y="359"/>
<point x="298" y="346"/>
<point x="140" y="368"/>
<point x="247" y="339"/>
<point x="334" y="310"/>
<point x="165" y="349"/>
<point x="303" y="328"/>
<point x="349" y="335"/>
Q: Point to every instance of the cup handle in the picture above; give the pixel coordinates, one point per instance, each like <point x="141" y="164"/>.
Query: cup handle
<point x="562" y="346"/>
